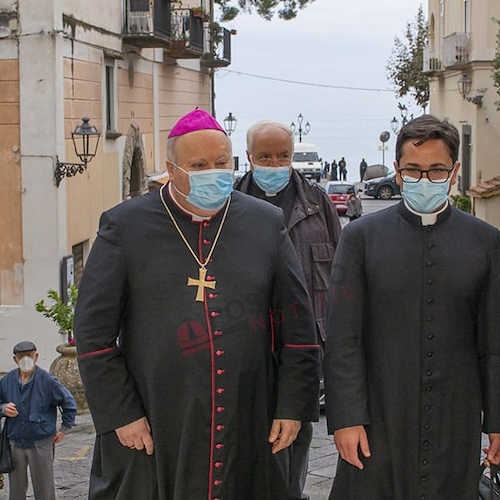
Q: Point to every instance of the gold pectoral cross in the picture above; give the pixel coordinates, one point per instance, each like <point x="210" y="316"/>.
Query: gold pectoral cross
<point x="201" y="284"/>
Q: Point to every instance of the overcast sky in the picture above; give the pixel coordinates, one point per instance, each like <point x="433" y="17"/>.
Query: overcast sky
<point x="331" y="43"/>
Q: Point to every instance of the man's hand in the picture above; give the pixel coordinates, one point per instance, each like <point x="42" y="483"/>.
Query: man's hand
<point x="136" y="436"/>
<point x="59" y="437"/>
<point x="348" y="440"/>
<point x="10" y="410"/>
<point x="493" y="452"/>
<point x="283" y="433"/>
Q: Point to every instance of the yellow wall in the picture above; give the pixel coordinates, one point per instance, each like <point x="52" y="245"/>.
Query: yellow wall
<point x="11" y="242"/>
<point x="98" y="188"/>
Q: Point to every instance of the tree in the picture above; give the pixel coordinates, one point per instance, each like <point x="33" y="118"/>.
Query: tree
<point x="405" y="66"/>
<point x="496" y="68"/>
<point x="286" y="9"/>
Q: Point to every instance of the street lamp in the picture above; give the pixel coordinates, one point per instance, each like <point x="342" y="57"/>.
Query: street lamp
<point x="403" y="111"/>
<point x="85" y="139"/>
<point x="300" y="131"/>
<point x="230" y="124"/>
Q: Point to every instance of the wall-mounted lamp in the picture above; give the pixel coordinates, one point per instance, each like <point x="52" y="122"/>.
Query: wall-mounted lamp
<point x="85" y="139"/>
<point x="464" y="88"/>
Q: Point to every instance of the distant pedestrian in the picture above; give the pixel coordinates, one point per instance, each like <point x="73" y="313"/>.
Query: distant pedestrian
<point x="335" y="175"/>
<point x="29" y="398"/>
<point x="362" y="169"/>
<point x="354" y="207"/>
<point x="343" y="169"/>
<point x="326" y="169"/>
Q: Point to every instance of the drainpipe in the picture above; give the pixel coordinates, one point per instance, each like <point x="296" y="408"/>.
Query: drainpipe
<point x="212" y="69"/>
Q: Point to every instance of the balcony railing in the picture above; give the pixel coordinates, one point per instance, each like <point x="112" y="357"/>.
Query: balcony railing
<point x="186" y="35"/>
<point x="220" y="43"/>
<point x="147" y="23"/>
<point x="456" y="49"/>
<point x="432" y="61"/>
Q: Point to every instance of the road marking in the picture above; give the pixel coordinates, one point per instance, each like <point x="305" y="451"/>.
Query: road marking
<point x="80" y="455"/>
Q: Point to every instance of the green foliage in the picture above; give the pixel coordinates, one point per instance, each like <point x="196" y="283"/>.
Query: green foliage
<point x="285" y="9"/>
<point x="461" y="202"/>
<point x="405" y="66"/>
<point x="496" y="67"/>
<point x="60" y="312"/>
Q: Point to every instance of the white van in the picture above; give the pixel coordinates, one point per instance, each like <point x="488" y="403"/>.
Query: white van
<point x="306" y="161"/>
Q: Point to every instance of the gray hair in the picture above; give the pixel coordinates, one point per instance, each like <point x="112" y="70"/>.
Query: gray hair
<point x="257" y="127"/>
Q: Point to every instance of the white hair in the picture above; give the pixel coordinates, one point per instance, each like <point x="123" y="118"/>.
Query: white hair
<point x="262" y="125"/>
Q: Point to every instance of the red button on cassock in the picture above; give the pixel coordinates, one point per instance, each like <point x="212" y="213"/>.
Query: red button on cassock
<point x="220" y="390"/>
<point x="206" y="242"/>
<point x="219" y="353"/>
<point x="218" y="464"/>
<point x="212" y="295"/>
<point x="220" y="409"/>
<point x="217" y="333"/>
<point x="220" y="372"/>
<point x="214" y="314"/>
<point x="217" y="482"/>
<point x="220" y="427"/>
<point x="219" y="446"/>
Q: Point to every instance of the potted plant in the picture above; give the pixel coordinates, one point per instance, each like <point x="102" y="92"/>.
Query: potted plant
<point x="65" y="367"/>
<point x="60" y="312"/>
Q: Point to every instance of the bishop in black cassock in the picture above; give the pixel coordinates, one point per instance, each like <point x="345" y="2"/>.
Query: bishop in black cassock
<point x="413" y="349"/>
<point x="211" y="365"/>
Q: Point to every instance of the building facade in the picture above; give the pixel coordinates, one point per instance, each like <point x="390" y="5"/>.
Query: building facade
<point x="133" y="67"/>
<point x="459" y="61"/>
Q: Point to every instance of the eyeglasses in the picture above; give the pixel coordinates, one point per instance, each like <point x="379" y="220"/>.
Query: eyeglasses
<point x="435" y="175"/>
<point x="283" y="160"/>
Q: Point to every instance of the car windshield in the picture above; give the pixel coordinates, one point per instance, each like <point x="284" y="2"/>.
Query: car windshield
<point x="340" y="189"/>
<point x="305" y="156"/>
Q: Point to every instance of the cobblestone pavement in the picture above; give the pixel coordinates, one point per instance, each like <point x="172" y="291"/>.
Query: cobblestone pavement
<point x="74" y="456"/>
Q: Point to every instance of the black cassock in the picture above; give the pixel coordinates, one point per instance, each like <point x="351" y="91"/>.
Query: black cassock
<point x="413" y="352"/>
<point x="210" y="376"/>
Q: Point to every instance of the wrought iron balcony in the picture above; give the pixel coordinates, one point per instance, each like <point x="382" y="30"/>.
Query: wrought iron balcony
<point x="187" y="32"/>
<point x="220" y="43"/>
<point x="147" y="23"/>
<point x="455" y="50"/>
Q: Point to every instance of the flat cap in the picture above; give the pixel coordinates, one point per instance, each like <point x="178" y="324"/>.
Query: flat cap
<point x="24" y="346"/>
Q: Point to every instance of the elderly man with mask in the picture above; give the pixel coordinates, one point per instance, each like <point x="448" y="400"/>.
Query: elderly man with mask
<point x="195" y="339"/>
<point x="412" y="363"/>
<point x="314" y="228"/>
<point x="30" y="398"/>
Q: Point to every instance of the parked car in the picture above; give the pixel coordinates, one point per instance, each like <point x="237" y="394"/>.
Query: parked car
<point x="382" y="187"/>
<point x="338" y="192"/>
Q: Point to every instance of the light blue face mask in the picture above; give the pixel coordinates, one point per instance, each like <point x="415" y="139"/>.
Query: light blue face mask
<point x="425" y="196"/>
<point x="271" y="179"/>
<point x="209" y="189"/>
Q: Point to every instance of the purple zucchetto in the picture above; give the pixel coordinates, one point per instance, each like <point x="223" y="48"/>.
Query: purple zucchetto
<point x="194" y="121"/>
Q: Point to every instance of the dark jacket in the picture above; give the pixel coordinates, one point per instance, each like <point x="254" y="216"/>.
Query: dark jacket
<point x="314" y="229"/>
<point x="37" y="402"/>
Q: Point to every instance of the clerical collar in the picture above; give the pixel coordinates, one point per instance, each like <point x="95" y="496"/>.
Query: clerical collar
<point x="427" y="219"/>
<point x="194" y="217"/>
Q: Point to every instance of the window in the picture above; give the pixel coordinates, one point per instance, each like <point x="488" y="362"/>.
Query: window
<point x="79" y="252"/>
<point x="467" y="16"/>
<point x="109" y="95"/>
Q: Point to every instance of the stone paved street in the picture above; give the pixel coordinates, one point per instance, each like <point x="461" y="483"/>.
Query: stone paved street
<point x="74" y="456"/>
